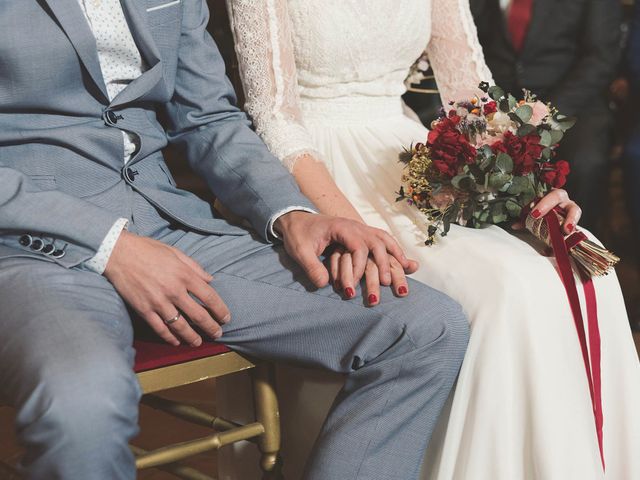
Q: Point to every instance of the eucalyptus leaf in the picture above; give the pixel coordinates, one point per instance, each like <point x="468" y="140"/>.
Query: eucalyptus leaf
<point x="545" y="138"/>
<point x="504" y="163"/>
<point x="515" y="118"/>
<point x="519" y="185"/>
<point x="455" y="181"/>
<point x="556" y="136"/>
<point x="496" y="93"/>
<point x="504" y="105"/>
<point x="525" y="112"/>
<point x="513" y="208"/>
<point x="512" y="102"/>
<point x="526" y="129"/>
<point x="547" y="153"/>
<point x="497" y="181"/>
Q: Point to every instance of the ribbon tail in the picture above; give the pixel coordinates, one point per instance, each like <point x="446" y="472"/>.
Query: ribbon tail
<point x="592" y="365"/>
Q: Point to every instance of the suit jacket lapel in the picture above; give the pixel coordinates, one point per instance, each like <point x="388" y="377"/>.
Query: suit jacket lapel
<point x="71" y="19"/>
<point x="541" y="11"/>
<point x="136" y="15"/>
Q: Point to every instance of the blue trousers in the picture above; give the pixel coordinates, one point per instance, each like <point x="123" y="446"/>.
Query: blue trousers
<point x="66" y="358"/>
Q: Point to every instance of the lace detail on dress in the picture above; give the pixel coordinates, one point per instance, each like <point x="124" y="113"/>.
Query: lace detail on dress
<point x="455" y="52"/>
<point x="262" y="36"/>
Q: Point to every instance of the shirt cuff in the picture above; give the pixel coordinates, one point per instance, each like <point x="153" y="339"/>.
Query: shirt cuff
<point x="99" y="261"/>
<point x="277" y="215"/>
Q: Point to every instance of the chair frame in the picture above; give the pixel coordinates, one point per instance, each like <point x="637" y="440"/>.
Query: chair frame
<point x="264" y="431"/>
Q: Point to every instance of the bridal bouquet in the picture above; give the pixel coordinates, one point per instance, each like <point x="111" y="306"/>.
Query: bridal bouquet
<point x="484" y="163"/>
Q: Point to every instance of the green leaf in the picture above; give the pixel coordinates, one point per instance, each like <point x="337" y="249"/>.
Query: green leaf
<point x="565" y="122"/>
<point x="519" y="185"/>
<point x="556" y="136"/>
<point x="547" y="153"/>
<point x="455" y="181"/>
<point x="504" y="105"/>
<point x="496" y="93"/>
<point x="504" y="163"/>
<point x="515" y="118"/>
<point x="497" y="181"/>
<point x="513" y="209"/>
<point x="512" y="102"/>
<point x="525" y="112"/>
<point x="526" y="129"/>
<point x="545" y="138"/>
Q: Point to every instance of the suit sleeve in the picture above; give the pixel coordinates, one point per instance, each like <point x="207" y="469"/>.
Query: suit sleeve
<point x="216" y="137"/>
<point x="595" y="69"/>
<point x="25" y="208"/>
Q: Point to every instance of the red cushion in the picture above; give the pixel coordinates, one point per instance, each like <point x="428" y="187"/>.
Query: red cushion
<point x="156" y="354"/>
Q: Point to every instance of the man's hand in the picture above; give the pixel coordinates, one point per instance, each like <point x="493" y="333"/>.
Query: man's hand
<point x="306" y="236"/>
<point x="160" y="282"/>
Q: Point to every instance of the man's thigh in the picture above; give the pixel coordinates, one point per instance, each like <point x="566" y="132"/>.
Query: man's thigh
<point x="277" y="314"/>
<point x="55" y="322"/>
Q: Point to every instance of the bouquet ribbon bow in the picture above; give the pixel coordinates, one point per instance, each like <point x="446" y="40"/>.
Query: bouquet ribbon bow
<point x="548" y="228"/>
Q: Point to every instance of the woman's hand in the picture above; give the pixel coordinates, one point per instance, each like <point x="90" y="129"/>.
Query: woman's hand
<point x="341" y="270"/>
<point x="557" y="198"/>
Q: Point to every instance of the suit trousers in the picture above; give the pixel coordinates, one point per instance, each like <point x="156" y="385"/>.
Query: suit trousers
<point x="66" y="358"/>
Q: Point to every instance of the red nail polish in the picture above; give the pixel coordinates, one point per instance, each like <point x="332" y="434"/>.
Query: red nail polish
<point x="402" y="290"/>
<point x="349" y="292"/>
<point x="373" y="299"/>
<point x="536" y="213"/>
<point x="570" y="227"/>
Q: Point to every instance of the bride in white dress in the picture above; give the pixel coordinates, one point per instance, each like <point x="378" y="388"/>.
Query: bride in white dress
<point x="323" y="81"/>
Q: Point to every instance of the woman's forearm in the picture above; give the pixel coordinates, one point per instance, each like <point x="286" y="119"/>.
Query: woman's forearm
<point x="316" y="183"/>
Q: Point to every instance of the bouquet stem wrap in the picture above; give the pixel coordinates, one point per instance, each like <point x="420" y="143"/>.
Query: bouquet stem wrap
<point x="582" y="250"/>
<point x="591" y="258"/>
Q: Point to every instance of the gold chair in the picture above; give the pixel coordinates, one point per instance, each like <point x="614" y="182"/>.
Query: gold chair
<point x="160" y="367"/>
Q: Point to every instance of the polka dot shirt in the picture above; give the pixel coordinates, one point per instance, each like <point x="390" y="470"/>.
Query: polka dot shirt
<point x="121" y="63"/>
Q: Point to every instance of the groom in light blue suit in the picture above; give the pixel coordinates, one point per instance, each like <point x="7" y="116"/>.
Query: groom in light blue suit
<point x="94" y="233"/>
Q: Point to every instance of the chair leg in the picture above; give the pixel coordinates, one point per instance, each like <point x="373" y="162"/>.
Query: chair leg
<point x="267" y="413"/>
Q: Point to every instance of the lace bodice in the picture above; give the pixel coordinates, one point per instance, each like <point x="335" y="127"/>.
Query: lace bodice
<point x="290" y="51"/>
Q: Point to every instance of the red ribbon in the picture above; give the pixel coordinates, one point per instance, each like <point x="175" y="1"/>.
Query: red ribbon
<point x="591" y="362"/>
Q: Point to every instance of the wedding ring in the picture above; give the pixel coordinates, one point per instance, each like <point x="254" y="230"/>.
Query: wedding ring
<point x="173" y="319"/>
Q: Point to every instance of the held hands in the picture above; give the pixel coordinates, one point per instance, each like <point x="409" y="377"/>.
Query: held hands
<point x="159" y="282"/>
<point x="362" y="251"/>
<point x="557" y="198"/>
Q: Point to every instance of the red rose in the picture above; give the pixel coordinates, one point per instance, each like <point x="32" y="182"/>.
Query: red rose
<point x="450" y="149"/>
<point x="491" y="107"/>
<point x="555" y="174"/>
<point x="524" y="151"/>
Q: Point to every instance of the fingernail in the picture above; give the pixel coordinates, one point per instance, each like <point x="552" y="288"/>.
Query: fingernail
<point x="197" y="343"/>
<point x="227" y="318"/>
<point x="570" y="227"/>
<point x="372" y="299"/>
<point x="402" y="290"/>
<point x="536" y="213"/>
<point x="218" y="334"/>
<point x="349" y="293"/>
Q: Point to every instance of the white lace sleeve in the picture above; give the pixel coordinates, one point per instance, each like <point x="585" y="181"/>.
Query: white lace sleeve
<point x="454" y="51"/>
<point x="262" y="34"/>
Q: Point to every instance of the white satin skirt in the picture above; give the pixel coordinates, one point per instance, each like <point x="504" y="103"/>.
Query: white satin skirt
<point x="521" y="409"/>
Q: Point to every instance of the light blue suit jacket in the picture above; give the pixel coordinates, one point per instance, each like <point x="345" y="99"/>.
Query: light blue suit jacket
<point x="62" y="174"/>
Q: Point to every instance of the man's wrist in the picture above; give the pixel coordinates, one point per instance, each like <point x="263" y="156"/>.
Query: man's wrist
<point x="277" y="232"/>
<point x="282" y="223"/>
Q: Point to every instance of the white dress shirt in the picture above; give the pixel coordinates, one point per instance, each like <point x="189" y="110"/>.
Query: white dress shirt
<point x="121" y="63"/>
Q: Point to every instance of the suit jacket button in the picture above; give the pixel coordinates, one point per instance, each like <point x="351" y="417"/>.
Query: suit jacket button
<point x="48" y="249"/>
<point x="58" y="254"/>
<point x="25" y="240"/>
<point x="37" y="245"/>
<point x="130" y="174"/>
<point x="112" y="118"/>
